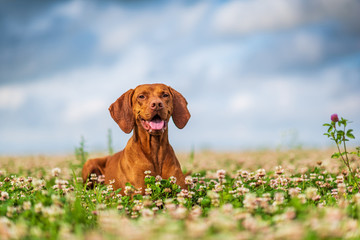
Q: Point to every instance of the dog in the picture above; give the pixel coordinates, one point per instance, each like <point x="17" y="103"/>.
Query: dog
<point x="145" y="110"/>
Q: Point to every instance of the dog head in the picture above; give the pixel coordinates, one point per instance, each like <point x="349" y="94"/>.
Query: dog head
<point x="150" y="107"/>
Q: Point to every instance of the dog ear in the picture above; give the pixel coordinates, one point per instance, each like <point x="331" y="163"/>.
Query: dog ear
<point x="180" y="113"/>
<point x="121" y="112"/>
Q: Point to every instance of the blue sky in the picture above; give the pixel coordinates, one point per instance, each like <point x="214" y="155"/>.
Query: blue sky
<point x="255" y="73"/>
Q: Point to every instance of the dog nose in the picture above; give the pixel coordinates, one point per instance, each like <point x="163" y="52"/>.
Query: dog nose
<point x="156" y="104"/>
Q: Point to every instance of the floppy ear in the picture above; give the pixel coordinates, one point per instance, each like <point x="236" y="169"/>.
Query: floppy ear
<point x="180" y="113"/>
<point x="121" y="112"/>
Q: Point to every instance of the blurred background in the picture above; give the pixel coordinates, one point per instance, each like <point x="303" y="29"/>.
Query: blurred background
<point x="256" y="74"/>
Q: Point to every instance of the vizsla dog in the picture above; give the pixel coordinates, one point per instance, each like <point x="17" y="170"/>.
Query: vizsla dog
<point x="145" y="110"/>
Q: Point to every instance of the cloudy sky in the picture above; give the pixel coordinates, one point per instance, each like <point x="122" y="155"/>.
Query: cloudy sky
<point x="256" y="74"/>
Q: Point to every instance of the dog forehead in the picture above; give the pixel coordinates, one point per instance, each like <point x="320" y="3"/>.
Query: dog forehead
<point x="151" y="88"/>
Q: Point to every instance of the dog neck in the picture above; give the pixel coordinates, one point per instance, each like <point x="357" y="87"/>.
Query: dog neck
<point x="154" y="147"/>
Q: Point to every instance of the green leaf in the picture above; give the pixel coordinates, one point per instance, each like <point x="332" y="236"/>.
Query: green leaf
<point x="339" y="137"/>
<point x="349" y="134"/>
<point x="326" y="125"/>
<point x="330" y="128"/>
<point x="344" y="121"/>
<point x="335" y="155"/>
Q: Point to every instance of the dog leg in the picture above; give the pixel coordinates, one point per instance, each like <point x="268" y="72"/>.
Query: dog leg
<point x="93" y="166"/>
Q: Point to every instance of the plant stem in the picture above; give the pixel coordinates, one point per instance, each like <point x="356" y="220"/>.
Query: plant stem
<point x="346" y="162"/>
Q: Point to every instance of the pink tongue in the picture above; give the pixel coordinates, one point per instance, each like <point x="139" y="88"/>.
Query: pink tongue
<point x="157" y="124"/>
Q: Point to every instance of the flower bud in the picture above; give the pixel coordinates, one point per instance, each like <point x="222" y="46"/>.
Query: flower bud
<point x="334" y="117"/>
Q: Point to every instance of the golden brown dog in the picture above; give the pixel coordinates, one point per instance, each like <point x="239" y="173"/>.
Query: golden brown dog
<point x="145" y="110"/>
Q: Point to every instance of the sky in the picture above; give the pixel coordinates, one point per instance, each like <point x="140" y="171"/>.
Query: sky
<point x="256" y="74"/>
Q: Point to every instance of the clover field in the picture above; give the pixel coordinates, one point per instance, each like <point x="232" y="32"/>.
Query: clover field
<point x="292" y="194"/>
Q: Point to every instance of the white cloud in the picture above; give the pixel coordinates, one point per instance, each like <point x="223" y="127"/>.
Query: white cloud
<point x="190" y="17"/>
<point x="341" y="101"/>
<point x="11" y="98"/>
<point x="281" y="92"/>
<point x="80" y="111"/>
<point x="118" y="29"/>
<point x="307" y="46"/>
<point x="95" y="80"/>
<point x="241" y="102"/>
<point x="244" y="17"/>
<point x="249" y="16"/>
<point x="72" y="9"/>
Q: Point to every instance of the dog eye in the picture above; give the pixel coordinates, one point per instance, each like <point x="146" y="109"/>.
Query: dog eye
<point x="165" y="95"/>
<point x="141" y="96"/>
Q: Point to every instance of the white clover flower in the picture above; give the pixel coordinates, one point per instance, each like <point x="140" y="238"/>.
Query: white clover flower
<point x="148" y="191"/>
<point x="279" y="170"/>
<point x="56" y="172"/>
<point x="52" y="212"/>
<point x="179" y="213"/>
<point x="38" y="207"/>
<point x="196" y="212"/>
<point x="147" y="213"/>
<point x="218" y="187"/>
<point x="302" y="198"/>
<point x="100" y="206"/>
<point x="10" y="211"/>
<point x="221" y="173"/>
<point x="159" y="202"/>
<point x="109" y="188"/>
<point x="242" y="190"/>
<point x="215" y="202"/>
<point x="250" y="201"/>
<point x="188" y="180"/>
<point x="4" y="196"/>
<point x="128" y="190"/>
<point x="183" y="193"/>
<point x="279" y="198"/>
<point x="244" y="173"/>
<point x="261" y="172"/>
<point x="172" y="179"/>
<point x="213" y="195"/>
<point x="339" y="179"/>
<point x="27" y="205"/>
<point x="293" y="192"/>
<point x="356" y="198"/>
<point x="93" y="177"/>
<point x="228" y="208"/>
<point x="311" y="192"/>
<point x="170" y="207"/>
<point x="137" y="191"/>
